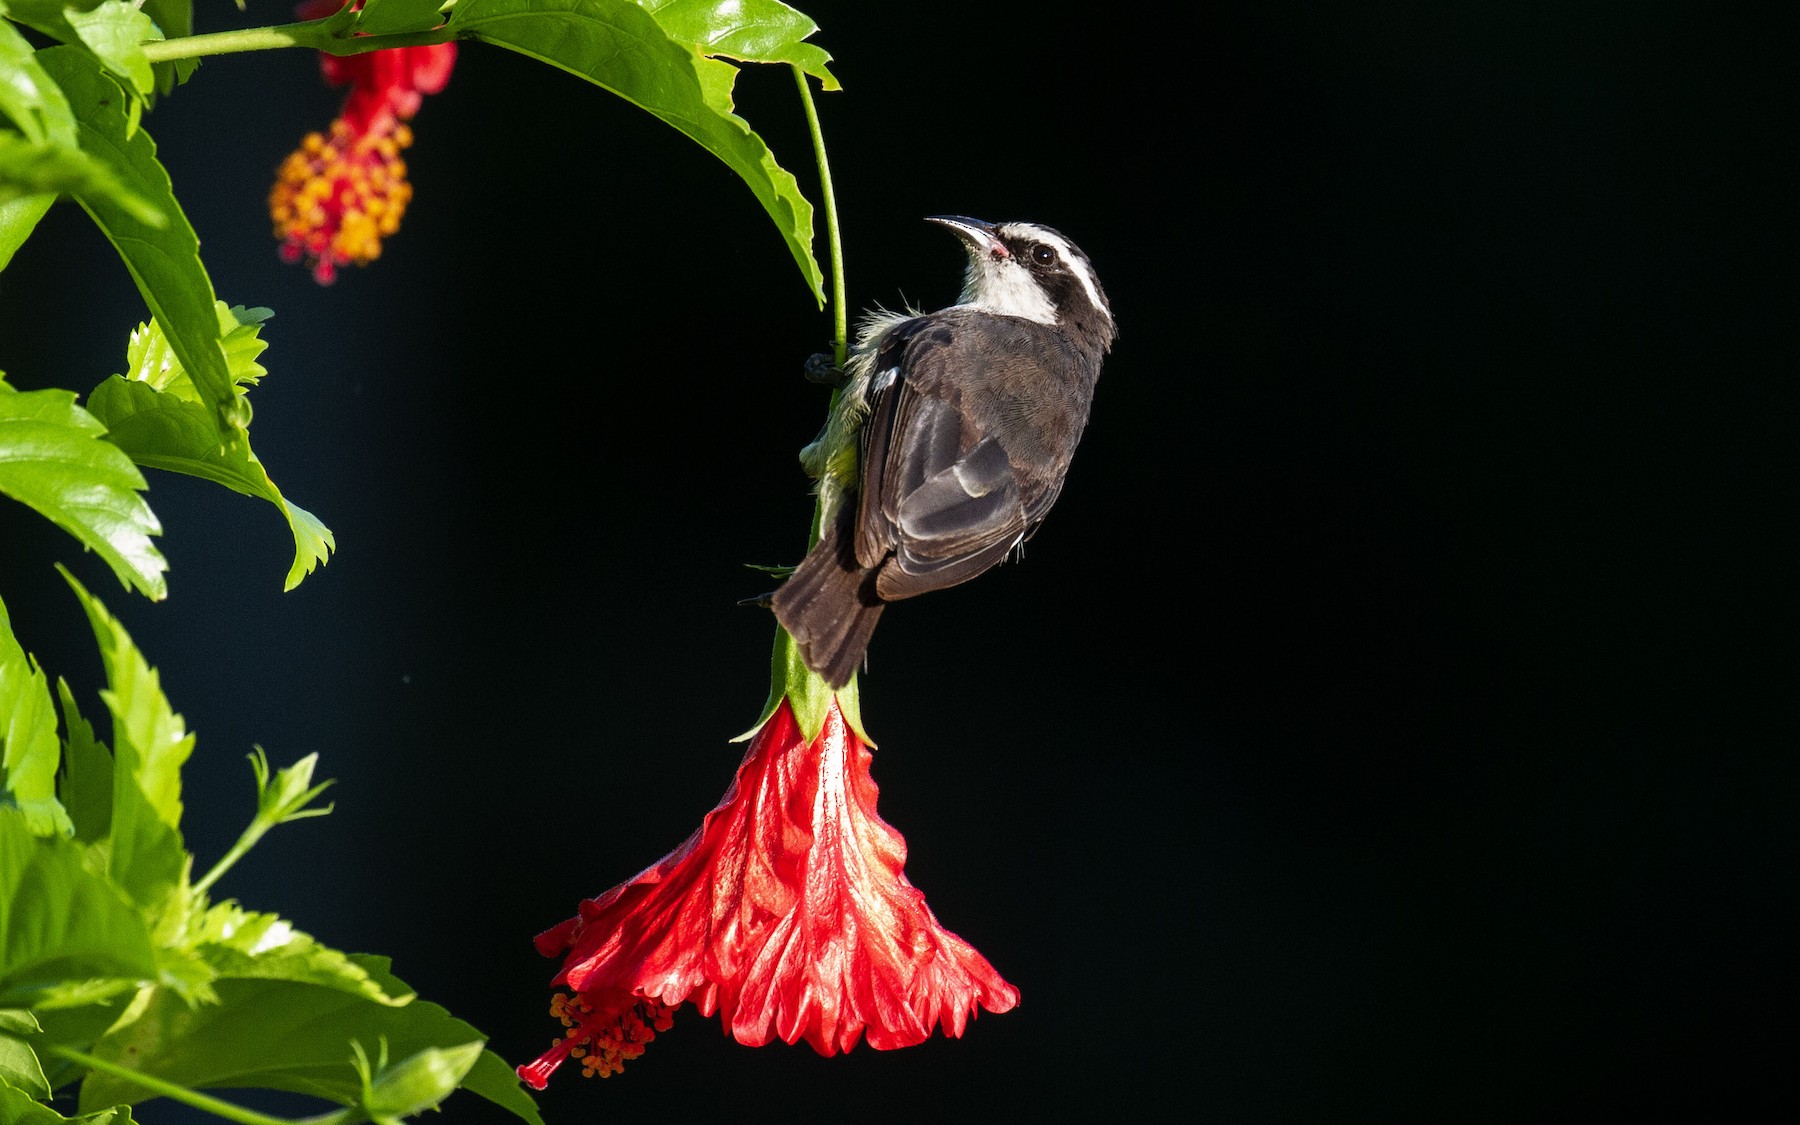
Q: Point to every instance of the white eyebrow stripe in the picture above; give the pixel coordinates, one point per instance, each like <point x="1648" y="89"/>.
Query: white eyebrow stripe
<point x="1076" y="263"/>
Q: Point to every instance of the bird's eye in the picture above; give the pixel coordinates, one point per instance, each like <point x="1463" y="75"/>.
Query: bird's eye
<point x="1042" y="254"/>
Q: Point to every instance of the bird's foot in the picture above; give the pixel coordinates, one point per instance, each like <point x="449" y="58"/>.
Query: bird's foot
<point x="822" y="368"/>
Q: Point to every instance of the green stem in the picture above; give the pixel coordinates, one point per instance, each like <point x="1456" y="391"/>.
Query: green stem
<point x="841" y="321"/>
<point x="789" y="677"/>
<point x="212" y="1105"/>
<point x="840" y="343"/>
<point x="313" y="34"/>
<point x="245" y="842"/>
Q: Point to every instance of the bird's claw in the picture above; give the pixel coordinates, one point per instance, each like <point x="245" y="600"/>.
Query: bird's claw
<point x="822" y="368"/>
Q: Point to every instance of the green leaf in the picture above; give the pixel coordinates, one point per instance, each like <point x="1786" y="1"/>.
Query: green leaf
<point x="46" y="16"/>
<point x="28" y="95"/>
<point x="416" y="1083"/>
<point x="20" y="1069"/>
<point x="115" y="31"/>
<point x="390" y="17"/>
<point x="19" y="1066"/>
<point x="57" y="19"/>
<point x="150" y="743"/>
<point x="494" y="1079"/>
<point x="59" y="920"/>
<point x="28" y="169"/>
<point x="18" y="218"/>
<point x="28" y="738"/>
<point x="238" y="944"/>
<point x="763" y="31"/>
<point x="18" y="1108"/>
<point x="279" y="1035"/>
<point x="51" y="460"/>
<point x="33" y="101"/>
<point x="286" y="795"/>
<point x="164" y="263"/>
<point x="144" y="725"/>
<point x="175" y="18"/>
<point x="77" y="1025"/>
<point x="86" y="784"/>
<point x="621" y="47"/>
<point x="156" y="415"/>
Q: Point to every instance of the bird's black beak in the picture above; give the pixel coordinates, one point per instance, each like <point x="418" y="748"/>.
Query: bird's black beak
<point x="977" y="234"/>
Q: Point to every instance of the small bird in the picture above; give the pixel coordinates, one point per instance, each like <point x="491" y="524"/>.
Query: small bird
<point x="950" y="439"/>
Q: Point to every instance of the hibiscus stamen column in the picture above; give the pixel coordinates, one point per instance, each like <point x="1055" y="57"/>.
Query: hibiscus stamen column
<point x="343" y="191"/>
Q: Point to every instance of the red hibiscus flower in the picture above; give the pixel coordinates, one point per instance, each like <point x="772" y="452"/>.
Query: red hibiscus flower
<point x="787" y="913"/>
<point x="340" y="193"/>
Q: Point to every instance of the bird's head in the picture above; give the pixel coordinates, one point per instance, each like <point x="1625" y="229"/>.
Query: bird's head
<point x="1031" y="271"/>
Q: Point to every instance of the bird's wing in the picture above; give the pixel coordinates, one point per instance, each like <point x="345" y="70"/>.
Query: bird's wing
<point x="941" y="497"/>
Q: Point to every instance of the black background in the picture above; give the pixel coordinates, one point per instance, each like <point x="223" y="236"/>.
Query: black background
<point x="1379" y="729"/>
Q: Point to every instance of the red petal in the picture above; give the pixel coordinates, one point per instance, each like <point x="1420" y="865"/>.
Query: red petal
<point x="788" y="913"/>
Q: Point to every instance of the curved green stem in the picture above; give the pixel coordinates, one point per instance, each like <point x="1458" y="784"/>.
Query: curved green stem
<point x="212" y="1105"/>
<point x="841" y="321"/>
<point x="313" y="34"/>
<point x="840" y="344"/>
<point x="246" y="840"/>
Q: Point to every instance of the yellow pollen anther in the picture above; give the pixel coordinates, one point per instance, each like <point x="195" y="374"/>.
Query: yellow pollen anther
<point x="335" y="200"/>
<point x="604" y="1038"/>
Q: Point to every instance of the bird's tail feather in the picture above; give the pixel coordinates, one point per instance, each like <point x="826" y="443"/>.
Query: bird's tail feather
<point x="829" y="607"/>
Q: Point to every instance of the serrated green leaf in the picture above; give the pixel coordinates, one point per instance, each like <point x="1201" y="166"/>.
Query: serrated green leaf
<point x="53" y="17"/>
<point x="51" y="459"/>
<point x="85" y="784"/>
<point x="115" y="31"/>
<point x="28" y="748"/>
<point x="28" y="170"/>
<point x="156" y="415"/>
<point x="89" y="994"/>
<point x="146" y="858"/>
<point x="763" y="31"/>
<point x="279" y="1035"/>
<point x="621" y="47"/>
<point x="143" y="722"/>
<point x="240" y="944"/>
<point x="150" y="743"/>
<point x="59" y="920"/>
<point x="391" y="17"/>
<point x="240" y="335"/>
<point x="18" y="1108"/>
<point x="164" y="263"/>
